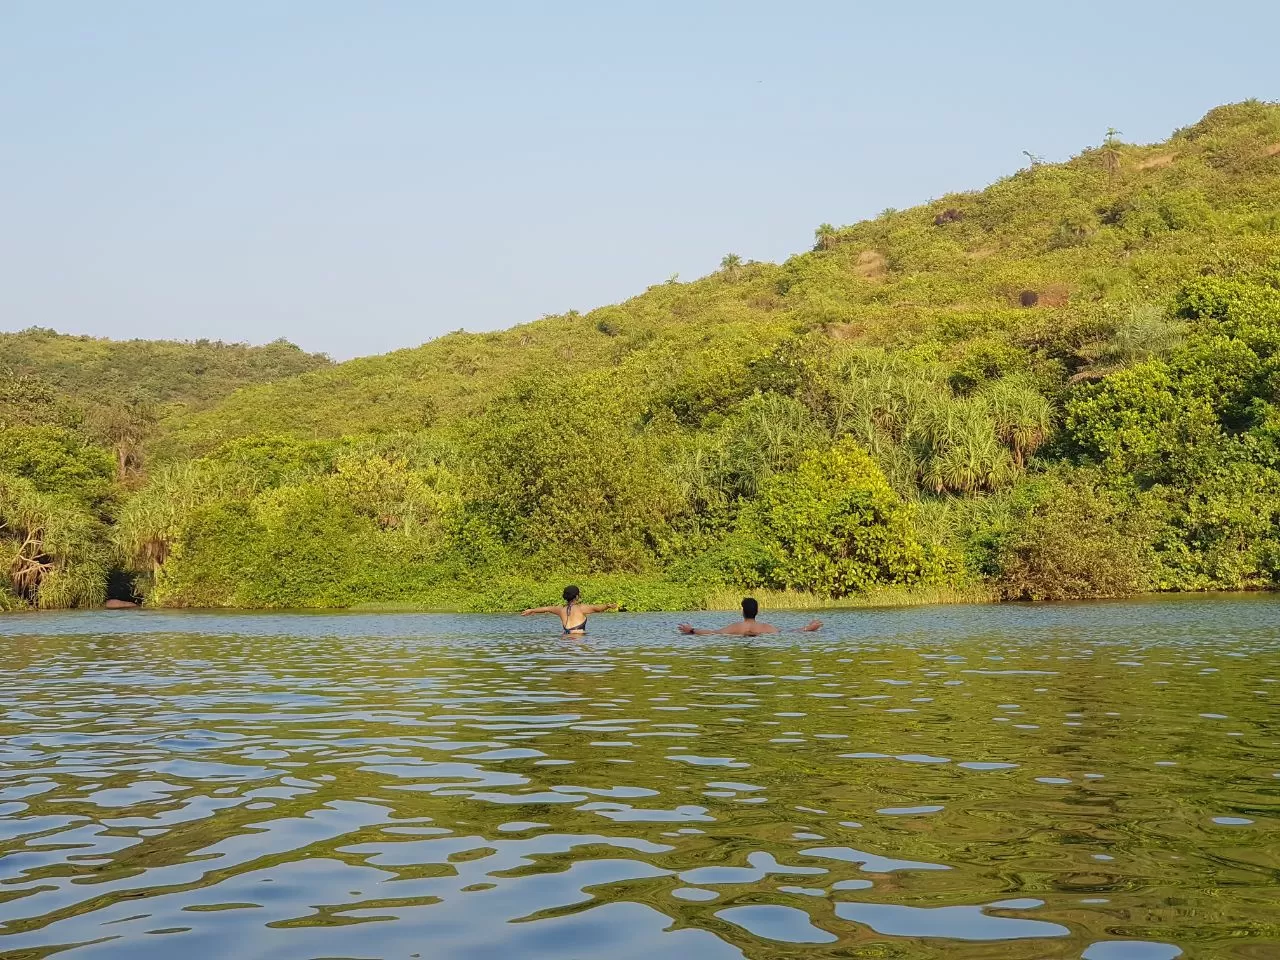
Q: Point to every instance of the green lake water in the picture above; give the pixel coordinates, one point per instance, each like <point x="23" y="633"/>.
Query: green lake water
<point x="1097" y="781"/>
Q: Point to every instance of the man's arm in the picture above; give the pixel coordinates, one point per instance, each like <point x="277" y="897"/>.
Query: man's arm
<point x="811" y="627"/>
<point x="685" y="628"/>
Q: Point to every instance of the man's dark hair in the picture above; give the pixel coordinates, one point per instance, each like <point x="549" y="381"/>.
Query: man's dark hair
<point x="571" y="594"/>
<point x="750" y="608"/>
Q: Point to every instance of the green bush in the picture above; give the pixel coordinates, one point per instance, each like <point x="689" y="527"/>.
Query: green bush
<point x="1070" y="538"/>
<point x="1218" y="532"/>
<point x="570" y="475"/>
<point x="53" y="550"/>
<point x="834" y="526"/>
<point x="57" y="460"/>
<point x="883" y="409"/>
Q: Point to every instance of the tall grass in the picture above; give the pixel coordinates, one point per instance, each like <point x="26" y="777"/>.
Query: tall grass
<point x="723" y="599"/>
<point x="716" y="599"/>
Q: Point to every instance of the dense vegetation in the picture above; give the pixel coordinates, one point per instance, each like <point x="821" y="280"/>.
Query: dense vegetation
<point x="76" y="415"/>
<point x="1066" y="385"/>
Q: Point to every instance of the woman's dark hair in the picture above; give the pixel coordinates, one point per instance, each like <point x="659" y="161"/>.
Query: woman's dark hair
<point x="571" y="594"/>
<point x="750" y="608"/>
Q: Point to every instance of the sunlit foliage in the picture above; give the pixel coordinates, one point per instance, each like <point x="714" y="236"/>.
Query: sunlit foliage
<point x="1065" y="385"/>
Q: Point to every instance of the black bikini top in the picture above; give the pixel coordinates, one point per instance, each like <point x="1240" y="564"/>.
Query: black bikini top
<point x="577" y="627"/>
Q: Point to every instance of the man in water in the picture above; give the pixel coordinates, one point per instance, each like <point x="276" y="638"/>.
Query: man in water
<point x="748" y="626"/>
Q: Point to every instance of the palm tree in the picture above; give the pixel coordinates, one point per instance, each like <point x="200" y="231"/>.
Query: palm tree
<point x="52" y="551"/>
<point x="960" y="450"/>
<point x="1022" y="417"/>
<point x="1143" y="333"/>
<point x="917" y="393"/>
<point x="700" y="476"/>
<point x="731" y="265"/>
<point x="151" y="519"/>
<point x="975" y="461"/>
<point x="1111" y="151"/>
<point x="900" y="466"/>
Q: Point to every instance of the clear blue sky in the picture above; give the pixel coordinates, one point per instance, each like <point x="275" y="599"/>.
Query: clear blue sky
<point x="364" y="175"/>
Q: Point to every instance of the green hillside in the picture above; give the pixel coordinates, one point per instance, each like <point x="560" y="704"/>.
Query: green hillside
<point x="1063" y="385"/>
<point x="76" y="416"/>
<point x="1119" y="224"/>
<point x="190" y="374"/>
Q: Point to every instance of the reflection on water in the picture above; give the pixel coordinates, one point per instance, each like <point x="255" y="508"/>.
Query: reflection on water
<point x="1097" y="781"/>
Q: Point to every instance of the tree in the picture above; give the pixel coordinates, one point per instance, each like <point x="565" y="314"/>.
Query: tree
<point x="125" y="426"/>
<point x="767" y="433"/>
<point x="835" y="526"/>
<point x="152" y="520"/>
<point x="387" y="490"/>
<point x="825" y="237"/>
<point x="1070" y="538"/>
<point x="1023" y="418"/>
<point x="962" y="451"/>
<point x="731" y="266"/>
<point x="57" y="460"/>
<point x="30" y="401"/>
<point x="1111" y="151"/>
<point x="566" y="474"/>
<point x="52" y="550"/>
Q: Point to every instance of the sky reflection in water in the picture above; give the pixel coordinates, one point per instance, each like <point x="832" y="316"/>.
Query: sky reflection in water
<point x="1097" y="781"/>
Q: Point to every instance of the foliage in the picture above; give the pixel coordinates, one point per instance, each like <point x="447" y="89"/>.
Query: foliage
<point x="30" y="401"/>
<point x="56" y="460"/>
<point x="1071" y="538"/>
<point x="1064" y="385"/>
<point x="834" y="526"/>
<point x="124" y="426"/>
<point x="155" y="517"/>
<point x="569" y="474"/>
<point x="195" y="374"/>
<point x="52" y="551"/>
<point x="1194" y="433"/>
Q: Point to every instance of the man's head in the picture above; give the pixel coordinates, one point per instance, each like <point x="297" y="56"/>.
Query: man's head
<point x="750" y="609"/>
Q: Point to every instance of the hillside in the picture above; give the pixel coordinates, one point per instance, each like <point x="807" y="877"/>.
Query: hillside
<point x="1064" y="385"/>
<point x="191" y="374"/>
<point x="1117" y="224"/>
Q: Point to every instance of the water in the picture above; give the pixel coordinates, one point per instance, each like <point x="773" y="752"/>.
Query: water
<point x="1077" y="781"/>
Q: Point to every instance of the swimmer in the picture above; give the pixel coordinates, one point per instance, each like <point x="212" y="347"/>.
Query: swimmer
<point x="573" y="615"/>
<point x="748" y="626"/>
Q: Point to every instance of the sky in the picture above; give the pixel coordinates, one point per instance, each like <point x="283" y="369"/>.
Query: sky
<point x="366" y="175"/>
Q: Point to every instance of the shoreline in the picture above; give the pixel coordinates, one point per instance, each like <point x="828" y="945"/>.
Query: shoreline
<point x="719" y="601"/>
<point x="726" y="600"/>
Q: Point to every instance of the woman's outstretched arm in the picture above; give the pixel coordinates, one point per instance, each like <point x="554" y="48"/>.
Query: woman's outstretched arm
<point x="599" y="607"/>
<point x="525" y="613"/>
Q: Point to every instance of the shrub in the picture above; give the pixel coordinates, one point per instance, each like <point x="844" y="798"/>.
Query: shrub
<point x="834" y="526"/>
<point x="56" y="460"/>
<point x="569" y="475"/>
<point x="52" y="549"/>
<point x="1070" y="538"/>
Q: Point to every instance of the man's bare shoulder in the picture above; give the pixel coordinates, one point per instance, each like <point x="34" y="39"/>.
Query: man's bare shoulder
<point x="748" y="628"/>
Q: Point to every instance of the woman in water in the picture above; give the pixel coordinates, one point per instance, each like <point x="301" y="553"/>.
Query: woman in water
<point x="573" y="615"/>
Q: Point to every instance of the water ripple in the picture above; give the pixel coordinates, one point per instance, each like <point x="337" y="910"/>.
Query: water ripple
<point x="1098" y="781"/>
